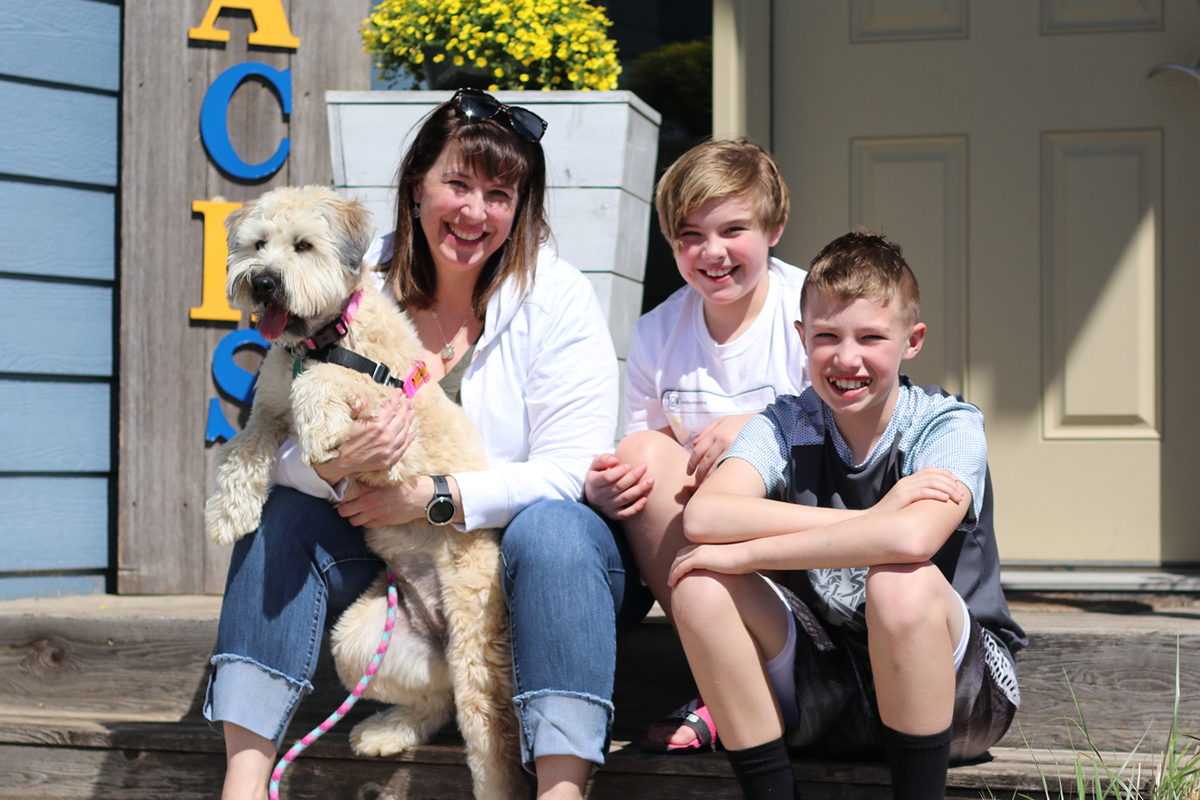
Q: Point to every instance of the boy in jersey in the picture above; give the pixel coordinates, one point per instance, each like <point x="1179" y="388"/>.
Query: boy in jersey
<point x="711" y="356"/>
<point x="892" y="634"/>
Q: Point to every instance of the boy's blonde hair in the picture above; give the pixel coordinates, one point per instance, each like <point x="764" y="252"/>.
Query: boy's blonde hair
<point x="719" y="169"/>
<point x="861" y="264"/>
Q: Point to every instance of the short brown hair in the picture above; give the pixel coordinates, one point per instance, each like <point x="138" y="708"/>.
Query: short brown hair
<point x="492" y="150"/>
<point x="720" y="168"/>
<point x="862" y="264"/>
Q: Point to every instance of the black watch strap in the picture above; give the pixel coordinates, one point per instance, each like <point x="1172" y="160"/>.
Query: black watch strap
<point x="441" y="508"/>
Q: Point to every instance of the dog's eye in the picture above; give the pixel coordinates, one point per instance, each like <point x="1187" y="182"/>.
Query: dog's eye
<point x="260" y="244"/>
<point x="303" y="247"/>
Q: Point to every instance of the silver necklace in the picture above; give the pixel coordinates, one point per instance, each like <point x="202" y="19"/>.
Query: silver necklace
<point x="447" y="352"/>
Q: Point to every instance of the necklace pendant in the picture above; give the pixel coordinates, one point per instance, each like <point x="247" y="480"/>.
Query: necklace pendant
<point x="447" y="352"/>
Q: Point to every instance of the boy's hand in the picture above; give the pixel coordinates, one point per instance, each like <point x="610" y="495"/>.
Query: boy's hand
<point x="931" y="483"/>
<point x="616" y="490"/>
<point x="729" y="559"/>
<point x="712" y="443"/>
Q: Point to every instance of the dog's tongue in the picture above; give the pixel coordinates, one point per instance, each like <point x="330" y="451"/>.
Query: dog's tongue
<point x="273" y="321"/>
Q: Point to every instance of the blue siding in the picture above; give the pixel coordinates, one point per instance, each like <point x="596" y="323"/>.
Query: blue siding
<point x="58" y="133"/>
<point x="56" y="328"/>
<point x="63" y="41"/>
<point x="53" y="523"/>
<point x="50" y="586"/>
<point x="60" y="74"/>
<point x="84" y="223"/>
<point x="54" y="426"/>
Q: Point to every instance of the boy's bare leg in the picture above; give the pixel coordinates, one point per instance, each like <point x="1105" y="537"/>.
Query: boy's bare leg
<point x="655" y="534"/>
<point x="730" y="626"/>
<point x="914" y="622"/>
<point x="249" y="759"/>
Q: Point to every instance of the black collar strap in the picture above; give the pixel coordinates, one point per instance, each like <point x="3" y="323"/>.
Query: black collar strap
<point x="380" y="373"/>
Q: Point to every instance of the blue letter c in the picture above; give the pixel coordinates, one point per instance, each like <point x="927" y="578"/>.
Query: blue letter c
<point x="214" y="128"/>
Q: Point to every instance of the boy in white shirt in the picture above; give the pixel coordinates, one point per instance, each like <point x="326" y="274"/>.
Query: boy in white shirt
<point x="702" y="363"/>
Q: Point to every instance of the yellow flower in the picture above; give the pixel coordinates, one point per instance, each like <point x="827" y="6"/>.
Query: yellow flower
<point x="499" y="73"/>
<point x="481" y="62"/>
<point x="524" y="77"/>
<point x="458" y="61"/>
<point x="439" y="58"/>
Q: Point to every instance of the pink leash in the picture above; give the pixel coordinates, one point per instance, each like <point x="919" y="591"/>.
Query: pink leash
<point x="316" y="733"/>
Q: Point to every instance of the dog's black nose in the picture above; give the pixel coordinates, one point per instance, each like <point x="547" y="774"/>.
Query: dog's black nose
<point x="264" y="284"/>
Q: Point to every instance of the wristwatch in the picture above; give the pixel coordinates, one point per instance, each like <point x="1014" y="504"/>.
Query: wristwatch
<point x="441" y="508"/>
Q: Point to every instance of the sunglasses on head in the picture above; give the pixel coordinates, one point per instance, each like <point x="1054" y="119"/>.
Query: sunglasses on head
<point x="481" y="105"/>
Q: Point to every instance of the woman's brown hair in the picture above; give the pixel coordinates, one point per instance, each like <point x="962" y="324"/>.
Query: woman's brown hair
<point x="492" y="150"/>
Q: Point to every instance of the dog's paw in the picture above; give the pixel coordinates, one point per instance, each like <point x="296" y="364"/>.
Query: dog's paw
<point x="381" y="736"/>
<point x="224" y="523"/>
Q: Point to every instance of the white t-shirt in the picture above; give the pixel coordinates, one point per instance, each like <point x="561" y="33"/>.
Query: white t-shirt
<point x="677" y="376"/>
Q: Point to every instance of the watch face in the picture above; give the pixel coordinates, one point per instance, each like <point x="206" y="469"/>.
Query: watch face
<point x="440" y="511"/>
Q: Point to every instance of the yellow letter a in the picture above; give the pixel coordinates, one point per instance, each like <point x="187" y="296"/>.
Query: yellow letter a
<point x="270" y="23"/>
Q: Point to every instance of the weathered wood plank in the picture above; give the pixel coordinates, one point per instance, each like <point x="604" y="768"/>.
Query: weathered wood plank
<point x="60" y="134"/>
<point x="36" y="35"/>
<point x="330" y="57"/>
<point x="161" y="486"/>
<point x="28" y="209"/>
<point x="153" y="670"/>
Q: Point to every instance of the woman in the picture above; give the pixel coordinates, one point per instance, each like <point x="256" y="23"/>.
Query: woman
<point x="517" y="336"/>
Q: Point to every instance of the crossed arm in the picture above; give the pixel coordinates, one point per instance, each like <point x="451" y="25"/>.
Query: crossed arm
<point x="736" y="529"/>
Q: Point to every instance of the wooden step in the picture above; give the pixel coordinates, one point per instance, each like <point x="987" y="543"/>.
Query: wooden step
<point x="73" y="759"/>
<point x="100" y="697"/>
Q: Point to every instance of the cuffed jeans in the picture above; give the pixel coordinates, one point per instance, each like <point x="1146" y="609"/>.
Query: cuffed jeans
<point x="570" y="583"/>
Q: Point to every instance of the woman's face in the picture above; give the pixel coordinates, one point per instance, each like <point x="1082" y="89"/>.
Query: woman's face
<point x="466" y="216"/>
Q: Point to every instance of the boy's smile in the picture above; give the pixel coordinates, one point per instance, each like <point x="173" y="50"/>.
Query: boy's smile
<point x="855" y="349"/>
<point x="722" y="253"/>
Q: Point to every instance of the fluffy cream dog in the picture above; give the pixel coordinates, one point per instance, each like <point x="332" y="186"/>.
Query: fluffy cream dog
<point x="295" y="259"/>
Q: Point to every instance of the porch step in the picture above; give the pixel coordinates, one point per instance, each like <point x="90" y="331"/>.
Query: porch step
<point x="100" y="697"/>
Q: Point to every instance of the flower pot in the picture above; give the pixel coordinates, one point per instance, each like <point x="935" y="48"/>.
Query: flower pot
<point x="601" y="149"/>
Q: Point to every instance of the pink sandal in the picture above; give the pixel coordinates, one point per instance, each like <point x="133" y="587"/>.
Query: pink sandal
<point x="694" y="714"/>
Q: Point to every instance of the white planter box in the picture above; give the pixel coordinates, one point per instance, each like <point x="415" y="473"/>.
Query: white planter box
<point x="600" y="148"/>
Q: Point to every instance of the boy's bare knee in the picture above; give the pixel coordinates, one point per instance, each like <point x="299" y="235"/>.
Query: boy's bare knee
<point x="698" y="596"/>
<point x="900" y="596"/>
<point x="644" y="447"/>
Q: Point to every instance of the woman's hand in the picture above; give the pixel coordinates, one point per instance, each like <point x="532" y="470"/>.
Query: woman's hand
<point x="930" y="483"/>
<point x="728" y="559"/>
<point x="712" y="443"/>
<point x="376" y="506"/>
<point x="616" y="490"/>
<point x="375" y="443"/>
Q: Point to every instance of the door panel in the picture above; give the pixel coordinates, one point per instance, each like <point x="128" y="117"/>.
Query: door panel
<point x="1044" y="191"/>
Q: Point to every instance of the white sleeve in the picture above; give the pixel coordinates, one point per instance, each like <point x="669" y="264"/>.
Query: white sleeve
<point x="570" y="395"/>
<point x="289" y="470"/>
<point x="643" y="407"/>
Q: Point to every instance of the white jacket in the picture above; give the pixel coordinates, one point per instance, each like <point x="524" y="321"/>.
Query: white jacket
<point x="541" y="389"/>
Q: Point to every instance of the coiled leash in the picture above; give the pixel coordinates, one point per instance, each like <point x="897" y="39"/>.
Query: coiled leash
<point x="316" y="733"/>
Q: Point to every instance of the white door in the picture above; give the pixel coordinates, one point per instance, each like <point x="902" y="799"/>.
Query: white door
<point x="1046" y="192"/>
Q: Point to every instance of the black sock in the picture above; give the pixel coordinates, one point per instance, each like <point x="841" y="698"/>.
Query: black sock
<point x="918" y="764"/>
<point x="764" y="771"/>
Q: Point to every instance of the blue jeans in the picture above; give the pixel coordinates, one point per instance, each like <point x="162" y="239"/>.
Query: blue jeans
<point x="572" y="587"/>
<point x="570" y="583"/>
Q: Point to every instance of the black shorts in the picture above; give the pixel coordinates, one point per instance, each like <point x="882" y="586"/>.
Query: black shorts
<point x="835" y="692"/>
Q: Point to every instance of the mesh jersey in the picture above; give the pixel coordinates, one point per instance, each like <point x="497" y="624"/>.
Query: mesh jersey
<point x="802" y="458"/>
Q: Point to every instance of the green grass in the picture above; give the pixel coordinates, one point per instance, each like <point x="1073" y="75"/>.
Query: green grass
<point x="1110" y="776"/>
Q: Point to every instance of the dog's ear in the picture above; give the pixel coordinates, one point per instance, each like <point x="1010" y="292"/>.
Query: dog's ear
<point x="355" y="230"/>
<point x="232" y="220"/>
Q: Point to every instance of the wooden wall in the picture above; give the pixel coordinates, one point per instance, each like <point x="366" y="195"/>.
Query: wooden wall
<point x="60" y="80"/>
<point x="165" y="358"/>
